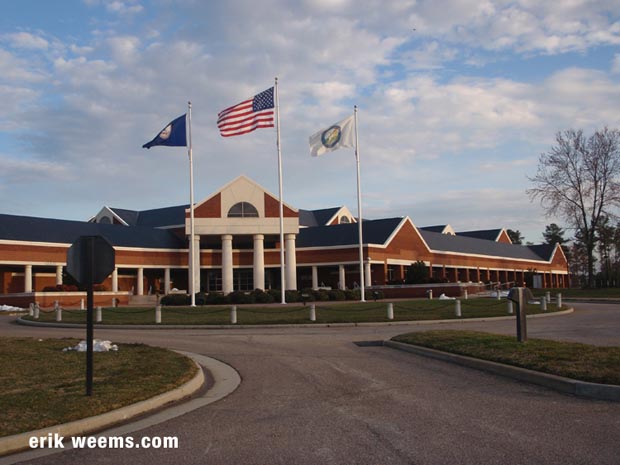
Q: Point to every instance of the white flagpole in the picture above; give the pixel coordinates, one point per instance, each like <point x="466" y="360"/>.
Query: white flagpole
<point x="359" y="211"/>
<point x="282" y="279"/>
<point x="192" y="259"/>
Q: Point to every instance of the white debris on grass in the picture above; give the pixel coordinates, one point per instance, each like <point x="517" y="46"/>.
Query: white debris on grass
<point x="8" y="308"/>
<point x="501" y="294"/>
<point x="98" y="346"/>
<point x="445" y="297"/>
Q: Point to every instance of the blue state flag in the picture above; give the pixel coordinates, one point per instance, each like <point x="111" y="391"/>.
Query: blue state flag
<point x="173" y="135"/>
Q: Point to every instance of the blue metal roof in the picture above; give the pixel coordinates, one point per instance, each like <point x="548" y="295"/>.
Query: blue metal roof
<point x="471" y="245"/>
<point x="373" y="232"/>
<point x="32" y="229"/>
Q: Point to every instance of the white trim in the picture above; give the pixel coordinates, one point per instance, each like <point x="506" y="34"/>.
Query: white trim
<point x="123" y="222"/>
<point x="398" y="261"/>
<point x="40" y="244"/>
<point x="23" y="263"/>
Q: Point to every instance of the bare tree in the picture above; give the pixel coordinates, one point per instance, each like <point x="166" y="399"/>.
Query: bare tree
<point x="579" y="180"/>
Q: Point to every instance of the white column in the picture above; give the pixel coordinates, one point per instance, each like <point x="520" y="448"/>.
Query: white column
<point x="140" y="282"/>
<point x="291" y="262"/>
<point x="196" y="253"/>
<point x="28" y="278"/>
<point x="115" y="280"/>
<point x="367" y="274"/>
<point x="166" y="280"/>
<point x="315" y="278"/>
<point x="259" y="261"/>
<point x="227" y="264"/>
<point x="341" y="277"/>
<point x="58" y="275"/>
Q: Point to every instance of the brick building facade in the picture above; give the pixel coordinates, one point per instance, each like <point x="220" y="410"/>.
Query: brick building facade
<point x="237" y="244"/>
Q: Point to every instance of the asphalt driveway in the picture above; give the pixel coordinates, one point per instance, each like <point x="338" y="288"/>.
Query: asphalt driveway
<point x="312" y="396"/>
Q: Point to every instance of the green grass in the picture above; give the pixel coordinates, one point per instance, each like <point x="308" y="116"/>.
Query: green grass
<point x="41" y="386"/>
<point x="413" y="310"/>
<point x="572" y="360"/>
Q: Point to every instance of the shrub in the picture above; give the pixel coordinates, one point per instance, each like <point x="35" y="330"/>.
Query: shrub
<point x="307" y="295"/>
<point x="276" y="294"/>
<point x="201" y="298"/>
<point x="336" y="294"/>
<point x="240" y="297"/>
<point x="320" y="296"/>
<point x="175" y="299"/>
<point x="292" y="296"/>
<point x="353" y="294"/>
<point x="217" y="298"/>
<point x="262" y="297"/>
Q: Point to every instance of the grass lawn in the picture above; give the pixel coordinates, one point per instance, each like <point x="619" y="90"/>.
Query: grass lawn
<point x="572" y="360"/>
<point x="41" y="386"/>
<point x="355" y="312"/>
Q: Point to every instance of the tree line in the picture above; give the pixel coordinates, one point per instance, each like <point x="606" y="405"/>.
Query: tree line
<point x="578" y="180"/>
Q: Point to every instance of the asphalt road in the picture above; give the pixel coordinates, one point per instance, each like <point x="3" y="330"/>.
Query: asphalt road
<point x="312" y="396"/>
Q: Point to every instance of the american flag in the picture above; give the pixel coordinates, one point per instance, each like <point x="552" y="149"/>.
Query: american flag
<point x="251" y="114"/>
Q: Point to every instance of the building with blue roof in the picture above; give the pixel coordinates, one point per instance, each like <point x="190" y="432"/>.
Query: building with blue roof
<point x="237" y="247"/>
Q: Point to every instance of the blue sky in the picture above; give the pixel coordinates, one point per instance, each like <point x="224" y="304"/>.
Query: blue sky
<point x="457" y="100"/>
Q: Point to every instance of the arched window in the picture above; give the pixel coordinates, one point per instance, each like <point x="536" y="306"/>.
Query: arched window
<point x="344" y="220"/>
<point x="243" y="210"/>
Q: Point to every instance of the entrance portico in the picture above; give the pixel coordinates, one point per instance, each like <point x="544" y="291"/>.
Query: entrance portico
<point x="243" y="212"/>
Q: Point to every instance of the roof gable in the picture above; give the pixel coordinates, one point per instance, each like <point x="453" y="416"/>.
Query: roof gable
<point x="486" y="234"/>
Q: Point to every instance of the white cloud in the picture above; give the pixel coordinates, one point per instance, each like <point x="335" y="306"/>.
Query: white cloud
<point x="26" y="40"/>
<point x="18" y="70"/>
<point x="615" y="64"/>
<point x="426" y="127"/>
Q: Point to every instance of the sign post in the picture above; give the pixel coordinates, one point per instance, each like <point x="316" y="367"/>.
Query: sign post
<point x="521" y="295"/>
<point x="90" y="260"/>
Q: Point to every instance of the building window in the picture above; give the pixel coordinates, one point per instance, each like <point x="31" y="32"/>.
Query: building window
<point x="243" y="210"/>
<point x="344" y="220"/>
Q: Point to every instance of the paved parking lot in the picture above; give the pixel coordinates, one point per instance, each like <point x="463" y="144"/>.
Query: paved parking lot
<point x="310" y="395"/>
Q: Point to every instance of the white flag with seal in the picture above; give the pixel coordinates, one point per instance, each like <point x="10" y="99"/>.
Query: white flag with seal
<point x="336" y="136"/>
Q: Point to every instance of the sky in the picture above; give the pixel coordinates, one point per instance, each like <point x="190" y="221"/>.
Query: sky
<point x="457" y="100"/>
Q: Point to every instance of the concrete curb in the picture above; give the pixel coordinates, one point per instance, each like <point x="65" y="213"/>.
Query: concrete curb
<point x="305" y="325"/>
<point x="558" y="383"/>
<point x="226" y="380"/>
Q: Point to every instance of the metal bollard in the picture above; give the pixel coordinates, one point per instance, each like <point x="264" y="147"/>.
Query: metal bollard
<point x="158" y="314"/>
<point x="457" y="308"/>
<point x="543" y="304"/>
<point x="390" y="311"/>
<point x="98" y="315"/>
<point x="510" y="309"/>
<point x="499" y="294"/>
<point x="559" y="301"/>
<point x="312" y="312"/>
<point x="58" y="312"/>
<point x="548" y="296"/>
<point x="31" y="309"/>
<point x="465" y="295"/>
<point x="233" y="315"/>
<point x="36" y="310"/>
<point x="82" y="304"/>
<point x="430" y="294"/>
